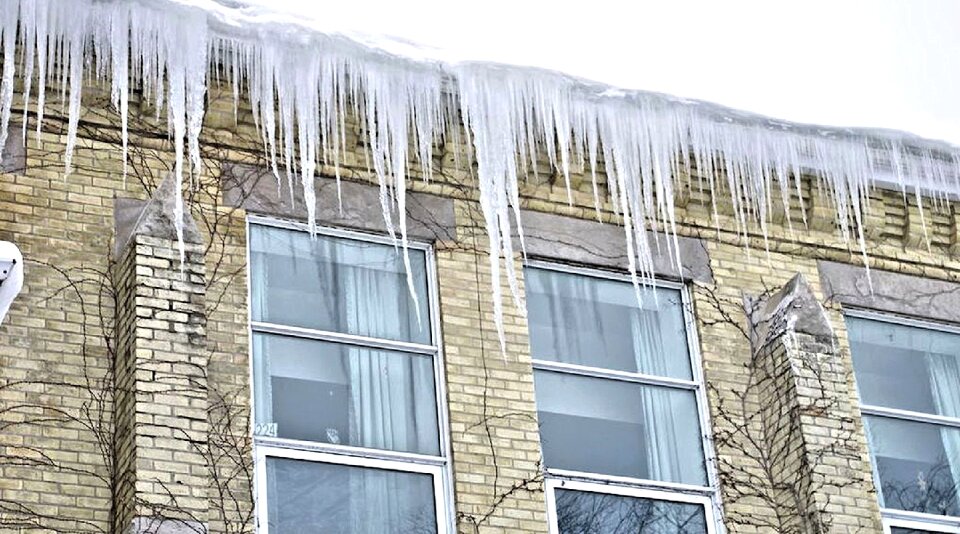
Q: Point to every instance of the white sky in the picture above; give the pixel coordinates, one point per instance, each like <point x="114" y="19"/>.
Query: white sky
<point x="868" y="63"/>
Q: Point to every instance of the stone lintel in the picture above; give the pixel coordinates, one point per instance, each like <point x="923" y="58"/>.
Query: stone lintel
<point x="890" y="292"/>
<point x="13" y="159"/>
<point x="429" y="217"/>
<point x="589" y="242"/>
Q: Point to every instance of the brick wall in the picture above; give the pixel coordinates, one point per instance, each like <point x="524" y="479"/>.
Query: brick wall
<point x="63" y="414"/>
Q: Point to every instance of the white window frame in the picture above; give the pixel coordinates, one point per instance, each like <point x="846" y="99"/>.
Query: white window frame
<point x="552" y="484"/>
<point x="891" y="523"/>
<point x="629" y="486"/>
<point x="274" y="447"/>
<point x="891" y="516"/>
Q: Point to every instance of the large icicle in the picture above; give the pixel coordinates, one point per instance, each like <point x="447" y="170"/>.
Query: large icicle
<point x="304" y="84"/>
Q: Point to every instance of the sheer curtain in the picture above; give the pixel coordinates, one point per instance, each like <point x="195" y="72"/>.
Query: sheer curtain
<point x="668" y="445"/>
<point x="262" y="405"/>
<point x="384" y="413"/>
<point x="384" y="388"/>
<point x="945" y="385"/>
<point x="574" y="310"/>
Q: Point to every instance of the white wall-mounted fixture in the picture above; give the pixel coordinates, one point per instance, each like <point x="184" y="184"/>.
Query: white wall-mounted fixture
<point x="11" y="275"/>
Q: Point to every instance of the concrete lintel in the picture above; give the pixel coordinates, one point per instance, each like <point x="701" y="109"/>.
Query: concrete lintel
<point x="891" y="292"/>
<point x="556" y="237"/>
<point x="429" y="217"/>
<point x="14" y="155"/>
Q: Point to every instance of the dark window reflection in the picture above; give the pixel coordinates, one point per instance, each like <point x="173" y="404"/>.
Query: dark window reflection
<point x="583" y="512"/>
<point x="309" y="498"/>
<point x="917" y="464"/>
<point x="345" y="394"/>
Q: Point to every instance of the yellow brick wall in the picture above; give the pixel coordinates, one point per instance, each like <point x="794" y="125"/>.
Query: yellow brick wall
<point x="57" y="344"/>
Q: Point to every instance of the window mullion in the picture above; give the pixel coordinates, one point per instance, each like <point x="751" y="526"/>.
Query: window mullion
<point x="627" y="482"/>
<point x="349" y="450"/>
<point x="596" y="372"/>
<point x="337" y="337"/>
<point x="908" y="415"/>
<point x="920" y="521"/>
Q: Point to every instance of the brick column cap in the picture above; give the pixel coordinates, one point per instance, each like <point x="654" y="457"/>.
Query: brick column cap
<point x="793" y="308"/>
<point x="153" y="217"/>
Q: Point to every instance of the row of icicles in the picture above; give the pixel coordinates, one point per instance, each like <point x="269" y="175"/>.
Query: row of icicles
<point x="301" y="84"/>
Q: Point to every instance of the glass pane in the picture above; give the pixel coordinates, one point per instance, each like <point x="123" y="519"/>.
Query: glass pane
<point x="582" y="512"/>
<point x="343" y="394"/>
<point x="596" y="322"/>
<point x="337" y="285"/>
<point x="906" y="367"/>
<point x="311" y="497"/>
<point x="901" y="530"/>
<point x="918" y="464"/>
<point x="617" y="428"/>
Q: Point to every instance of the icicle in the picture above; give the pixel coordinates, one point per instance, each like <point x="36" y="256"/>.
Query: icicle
<point x="120" y="77"/>
<point x="29" y="13"/>
<point x="75" y="52"/>
<point x="8" y="38"/>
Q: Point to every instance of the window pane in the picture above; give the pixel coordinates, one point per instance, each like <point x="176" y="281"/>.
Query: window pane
<point x="311" y="497"/>
<point x="343" y="394"/>
<point x="901" y="530"/>
<point x="335" y="284"/>
<point x="918" y="464"/>
<point x="596" y="322"/>
<point x="581" y="512"/>
<point x="906" y="367"/>
<point x="617" y="428"/>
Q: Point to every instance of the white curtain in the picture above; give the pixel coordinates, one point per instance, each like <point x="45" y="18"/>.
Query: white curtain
<point x="574" y="310"/>
<point x="263" y="405"/>
<point x="944" y="381"/>
<point x="384" y="388"/>
<point x="669" y="445"/>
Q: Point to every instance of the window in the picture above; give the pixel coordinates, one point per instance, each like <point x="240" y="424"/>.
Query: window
<point x="915" y="527"/>
<point x="619" y="401"/>
<point x="908" y="377"/>
<point x="346" y="382"/>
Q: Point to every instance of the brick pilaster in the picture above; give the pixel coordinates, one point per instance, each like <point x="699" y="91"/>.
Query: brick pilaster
<point x="495" y="438"/>
<point x="811" y="428"/>
<point x="161" y="404"/>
